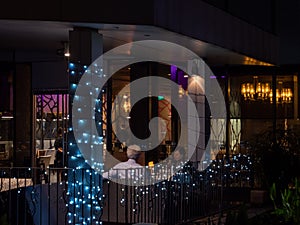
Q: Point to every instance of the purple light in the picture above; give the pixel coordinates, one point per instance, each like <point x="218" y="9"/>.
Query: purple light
<point x="173" y="72"/>
<point x="214" y="77"/>
<point x="173" y="69"/>
<point x="181" y="80"/>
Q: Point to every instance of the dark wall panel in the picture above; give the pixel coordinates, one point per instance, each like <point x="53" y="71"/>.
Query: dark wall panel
<point x="49" y="76"/>
<point x="125" y="12"/>
<point x="23" y="110"/>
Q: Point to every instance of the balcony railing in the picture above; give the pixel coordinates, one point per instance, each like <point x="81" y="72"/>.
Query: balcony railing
<point x="43" y="197"/>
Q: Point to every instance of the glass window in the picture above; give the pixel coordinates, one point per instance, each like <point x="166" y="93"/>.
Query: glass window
<point x="252" y="101"/>
<point x="6" y="116"/>
<point x="51" y="114"/>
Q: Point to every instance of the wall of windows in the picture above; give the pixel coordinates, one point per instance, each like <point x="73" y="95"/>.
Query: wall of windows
<point x="260" y="101"/>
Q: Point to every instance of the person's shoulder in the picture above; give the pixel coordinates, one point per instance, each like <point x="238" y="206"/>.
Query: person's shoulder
<point x="138" y="165"/>
<point x="120" y="165"/>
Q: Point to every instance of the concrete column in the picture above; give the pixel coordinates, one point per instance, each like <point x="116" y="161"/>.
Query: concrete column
<point x="23" y="123"/>
<point x="86" y="45"/>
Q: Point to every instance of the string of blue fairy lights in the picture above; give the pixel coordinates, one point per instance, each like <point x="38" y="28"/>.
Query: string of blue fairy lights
<point x="84" y="184"/>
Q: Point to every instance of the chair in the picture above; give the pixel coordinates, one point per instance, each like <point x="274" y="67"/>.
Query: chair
<point x="41" y="152"/>
<point x="52" y="158"/>
<point x="44" y="161"/>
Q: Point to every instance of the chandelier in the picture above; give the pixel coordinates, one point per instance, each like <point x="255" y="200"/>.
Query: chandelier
<point x="283" y="95"/>
<point x="260" y="91"/>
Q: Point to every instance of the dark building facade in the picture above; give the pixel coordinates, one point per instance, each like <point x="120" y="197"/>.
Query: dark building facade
<point x="46" y="48"/>
<point x="35" y="40"/>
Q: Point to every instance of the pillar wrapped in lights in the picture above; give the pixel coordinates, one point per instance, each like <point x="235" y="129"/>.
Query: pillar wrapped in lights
<point x="84" y="184"/>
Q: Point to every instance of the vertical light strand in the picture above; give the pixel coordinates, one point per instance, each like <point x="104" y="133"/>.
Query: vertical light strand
<point x="84" y="184"/>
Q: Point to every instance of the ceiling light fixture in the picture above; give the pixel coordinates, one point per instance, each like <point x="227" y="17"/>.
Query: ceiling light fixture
<point x="66" y="49"/>
<point x="263" y="92"/>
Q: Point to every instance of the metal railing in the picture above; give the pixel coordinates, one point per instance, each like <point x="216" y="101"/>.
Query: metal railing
<point x="43" y="196"/>
<point x="179" y="199"/>
<point x="32" y="196"/>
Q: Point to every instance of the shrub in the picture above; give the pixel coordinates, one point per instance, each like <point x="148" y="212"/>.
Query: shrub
<point x="287" y="203"/>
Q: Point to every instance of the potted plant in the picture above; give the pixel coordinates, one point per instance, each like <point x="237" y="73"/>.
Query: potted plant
<point x="287" y="203"/>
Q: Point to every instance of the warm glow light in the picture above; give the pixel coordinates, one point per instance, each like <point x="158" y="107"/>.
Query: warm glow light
<point x="67" y="54"/>
<point x="126" y="105"/>
<point x="267" y="88"/>
<point x="243" y="89"/>
<point x="263" y="92"/>
<point x="181" y="91"/>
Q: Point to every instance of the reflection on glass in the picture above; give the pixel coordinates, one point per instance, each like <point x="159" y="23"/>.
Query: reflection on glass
<point x="257" y="90"/>
<point x="51" y="113"/>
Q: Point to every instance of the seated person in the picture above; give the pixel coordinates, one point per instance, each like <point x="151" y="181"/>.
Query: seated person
<point x="127" y="170"/>
<point x="184" y="170"/>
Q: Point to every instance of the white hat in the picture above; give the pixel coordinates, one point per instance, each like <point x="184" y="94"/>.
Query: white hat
<point x="134" y="147"/>
<point x="133" y="151"/>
